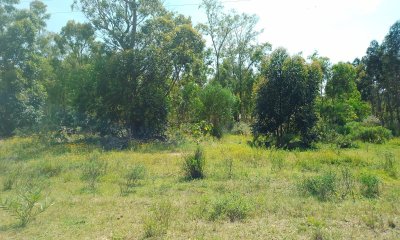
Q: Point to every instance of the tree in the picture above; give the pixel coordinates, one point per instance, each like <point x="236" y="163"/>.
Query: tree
<point x="344" y="102"/>
<point x="22" y="68"/>
<point x="150" y="51"/>
<point x="219" y="26"/>
<point x="391" y="75"/>
<point x="244" y="55"/>
<point x="217" y="107"/>
<point x="285" y="100"/>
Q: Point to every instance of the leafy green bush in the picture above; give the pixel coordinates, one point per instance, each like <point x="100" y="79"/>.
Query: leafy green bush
<point x="218" y="103"/>
<point x="377" y="135"/>
<point x="194" y="165"/>
<point x="27" y="205"/>
<point x="371" y="134"/>
<point x="157" y="222"/>
<point x="233" y="206"/>
<point x="131" y="179"/>
<point x="93" y="170"/>
<point x="345" y="142"/>
<point x="370" y="186"/>
<point x="323" y="186"/>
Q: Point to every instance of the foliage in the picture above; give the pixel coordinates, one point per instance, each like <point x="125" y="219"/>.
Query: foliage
<point x="232" y="206"/>
<point x="131" y="178"/>
<point x="193" y="165"/>
<point x="157" y="222"/>
<point x="26" y="205"/>
<point x="322" y="186"/>
<point x="285" y="100"/>
<point x="241" y="128"/>
<point x="374" y="134"/>
<point x="370" y="185"/>
<point x="389" y="164"/>
<point x="217" y="108"/>
<point x="92" y="170"/>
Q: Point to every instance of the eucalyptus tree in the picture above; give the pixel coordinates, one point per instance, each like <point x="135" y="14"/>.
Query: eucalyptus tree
<point x="149" y="51"/>
<point x="285" y="103"/>
<point x="218" y="28"/>
<point x="23" y="70"/>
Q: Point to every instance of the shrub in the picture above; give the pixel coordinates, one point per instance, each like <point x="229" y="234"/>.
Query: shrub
<point x="93" y="170"/>
<point x="194" y="165"/>
<point x="233" y="206"/>
<point x="343" y="142"/>
<point x="323" y="186"/>
<point x="377" y="135"/>
<point x="158" y="221"/>
<point x="27" y="205"/>
<point x="218" y="104"/>
<point x="371" y="134"/>
<point x="369" y="186"/>
<point x="131" y="179"/>
<point x="241" y="128"/>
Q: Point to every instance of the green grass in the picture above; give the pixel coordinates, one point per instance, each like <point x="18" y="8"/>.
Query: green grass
<point x="246" y="193"/>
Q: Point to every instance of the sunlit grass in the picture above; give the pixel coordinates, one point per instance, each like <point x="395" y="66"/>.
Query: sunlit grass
<point x="265" y="181"/>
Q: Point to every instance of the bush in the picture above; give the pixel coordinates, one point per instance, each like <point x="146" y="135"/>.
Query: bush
<point x="377" y="135"/>
<point x="194" y="165"/>
<point x="157" y="222"/>
<point x="369" y="186"/>
<point x="233" y="206"/>
<point x="343" y="142"/>
<point x="131" y="179"/>
<point x="371" y="134"/>
<point x="323" y="187"/>
<point x="93" y="170"/>
<point x="218" y="104"/>
<point x="241" y="128"/>
<point x="27" y="205"/>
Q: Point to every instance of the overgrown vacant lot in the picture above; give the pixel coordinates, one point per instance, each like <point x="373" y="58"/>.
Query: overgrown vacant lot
<point x="247" y="193"/>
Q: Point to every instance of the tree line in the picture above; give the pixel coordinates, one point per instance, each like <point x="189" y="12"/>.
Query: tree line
<point x="136" y="70"/>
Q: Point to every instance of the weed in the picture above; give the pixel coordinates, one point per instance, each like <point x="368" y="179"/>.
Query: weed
<point x="323" y="186"/>
<point x="389" y="164"/>
<point x="157" y="222"/>
<point x="93" y="170"/>
<point x="277" y="163"/>
<point x="9" y="182"/>
<point x="131" y="179"/>
<point x="229" y="167"/>
<point x="233" y="206"/>
<point x="370" y="186"/>
<point x="27" y="205"/>
<point x="194" y="165"/>
<point x="347" y="183"/>
<point x="48" y="169"/>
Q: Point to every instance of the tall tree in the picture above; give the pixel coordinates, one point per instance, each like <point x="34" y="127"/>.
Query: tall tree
<point x="218" y="27"/>
<point x="286" y="99"/>
<point x="22" y="68"/>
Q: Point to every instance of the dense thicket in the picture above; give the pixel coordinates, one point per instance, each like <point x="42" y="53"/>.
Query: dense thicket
<point x="134" y="70"/>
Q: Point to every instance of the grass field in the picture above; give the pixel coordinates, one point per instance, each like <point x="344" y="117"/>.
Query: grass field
<point x="247" y="193"/>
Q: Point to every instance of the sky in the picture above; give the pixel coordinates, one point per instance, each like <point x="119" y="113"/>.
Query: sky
<point x="338" y="29"/>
